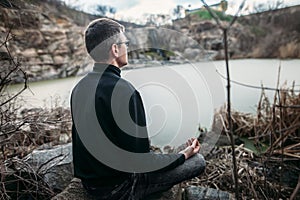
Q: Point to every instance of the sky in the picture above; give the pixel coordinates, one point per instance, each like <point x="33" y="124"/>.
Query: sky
<point x="135" y="9"/>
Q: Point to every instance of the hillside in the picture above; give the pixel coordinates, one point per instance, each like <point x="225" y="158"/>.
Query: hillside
<point x="271" y="34"/>
<point x="274" y="34"/>
<point x="47" y="37"/>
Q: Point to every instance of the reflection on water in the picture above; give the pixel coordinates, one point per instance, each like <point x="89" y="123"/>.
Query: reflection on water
<point x="179" y="98"/>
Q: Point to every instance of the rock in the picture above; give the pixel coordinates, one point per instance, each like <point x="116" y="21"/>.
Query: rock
<point x="30" y="53"/>
<point x="64" y="138"/>
<point x="58" y="35"/>
<point x="44" y="37"/>
<point x="289" y="50"/>
<point x="47" y="59"/>
<point x="54" y="46"/>
<point x="59" y="60"/>
<point x="39" y="157"/>
<point x="75" y="190"/>
<point x="191" y="54"/>
<point x="172" y="194"/>
<point x="55" y="164"/>
<point x="4" y="55"/>
<point x="196" y="193"/>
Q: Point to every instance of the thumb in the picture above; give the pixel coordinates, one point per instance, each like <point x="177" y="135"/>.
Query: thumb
<point x="194" y="144"/>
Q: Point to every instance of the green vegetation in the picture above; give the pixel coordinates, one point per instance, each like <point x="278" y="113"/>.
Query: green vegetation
<point x="204" y="15"/>
<point x="258" y="31"/>
<point x="255" y="146"/>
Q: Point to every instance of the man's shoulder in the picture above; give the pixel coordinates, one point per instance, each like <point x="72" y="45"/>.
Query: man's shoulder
<point x="124" y="88"/>
<point x="125" y="84"/>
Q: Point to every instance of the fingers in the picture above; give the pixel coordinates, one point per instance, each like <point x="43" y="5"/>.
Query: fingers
<point x="193" y="147"/>
<point x="196" y="146"/>
<point x="192" y="142"/>
<point x="189" y="142"/>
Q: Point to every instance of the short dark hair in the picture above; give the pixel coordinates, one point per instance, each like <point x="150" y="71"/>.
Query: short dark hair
<point x="98" y="32"/>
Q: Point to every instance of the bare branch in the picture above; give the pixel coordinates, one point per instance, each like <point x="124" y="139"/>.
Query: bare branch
<point x="256" y="87"/>
<point x="237" y="13"/>
<point x="225" y="40"/>
<point x="16" y="68"/>
<point x="216" y="18"/>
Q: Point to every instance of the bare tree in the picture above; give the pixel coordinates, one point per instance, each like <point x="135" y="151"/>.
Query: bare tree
<point x="21" y="130"/>
<point x="105" y="10"/>
<point x="225" y="28"/>
<point x="178" y="12"/>
<point x="11" y="69"/>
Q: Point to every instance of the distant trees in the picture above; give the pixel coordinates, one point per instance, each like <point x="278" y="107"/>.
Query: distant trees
<point x="270" y="5"/>
<point x="178" y="12"/>
<point x="157" y="19"/>
<point x="105" y="10"/>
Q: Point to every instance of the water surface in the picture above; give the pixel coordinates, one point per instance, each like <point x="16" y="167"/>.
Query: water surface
<point x="179" y="98"/>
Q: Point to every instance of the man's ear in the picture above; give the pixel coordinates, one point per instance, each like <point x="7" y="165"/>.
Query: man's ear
<point x="115" y="50"/>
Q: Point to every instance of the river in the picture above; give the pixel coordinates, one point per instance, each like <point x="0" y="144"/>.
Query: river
<point x="179" y="98"/>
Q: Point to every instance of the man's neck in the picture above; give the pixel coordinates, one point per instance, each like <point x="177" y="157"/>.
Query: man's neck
<point x="113" y="62"/>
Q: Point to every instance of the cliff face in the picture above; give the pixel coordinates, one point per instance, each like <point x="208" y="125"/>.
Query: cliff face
<point x="48" y="38"/>
<point x="272" y="34"/>
<point x="275" y="34"/>
<point x="45" y="39"/>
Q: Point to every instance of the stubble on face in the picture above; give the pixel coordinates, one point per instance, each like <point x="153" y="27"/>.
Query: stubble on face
<point x="122" y="60"/>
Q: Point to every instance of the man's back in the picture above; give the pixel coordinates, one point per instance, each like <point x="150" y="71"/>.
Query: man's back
<point x="111" y="153"/>
<point x="107" y="79"/>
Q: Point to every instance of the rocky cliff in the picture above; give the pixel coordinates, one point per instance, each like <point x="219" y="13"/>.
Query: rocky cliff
<point x="47" y="37"/>
<point x="270" y="34"/>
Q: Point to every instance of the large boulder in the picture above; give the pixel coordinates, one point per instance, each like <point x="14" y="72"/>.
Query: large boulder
<point x="55" y="164"/>
<point x="75" y="190"/>
<point x="172" y="194"/>
<point x="196" y="193"/>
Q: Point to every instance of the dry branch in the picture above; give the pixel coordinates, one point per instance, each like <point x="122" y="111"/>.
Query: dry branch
<point x="23" y="130"/>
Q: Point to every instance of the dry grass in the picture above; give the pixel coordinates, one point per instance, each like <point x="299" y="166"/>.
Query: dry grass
<point x="269" y="173"/>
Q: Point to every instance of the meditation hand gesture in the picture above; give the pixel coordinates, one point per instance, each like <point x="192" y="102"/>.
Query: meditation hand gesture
<point x="193" y="147"/>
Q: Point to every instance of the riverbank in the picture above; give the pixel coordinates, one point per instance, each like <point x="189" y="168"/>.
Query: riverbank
<point x="270" y="172"/>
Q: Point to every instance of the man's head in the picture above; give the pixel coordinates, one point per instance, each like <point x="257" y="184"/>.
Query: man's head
<point x="105" y="42"/>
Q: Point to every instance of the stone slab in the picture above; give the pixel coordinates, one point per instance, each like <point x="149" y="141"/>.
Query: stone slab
<point x="75" y="191"/>
<point x="196" y="193"/>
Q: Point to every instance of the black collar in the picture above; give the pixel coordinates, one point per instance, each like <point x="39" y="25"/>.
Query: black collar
<point x="101" y="67"/>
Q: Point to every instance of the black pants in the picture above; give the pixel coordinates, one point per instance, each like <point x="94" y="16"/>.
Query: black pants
<point x="144" y="184"/>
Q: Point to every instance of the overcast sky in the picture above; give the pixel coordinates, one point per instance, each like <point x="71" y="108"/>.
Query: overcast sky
<point x="132" y="9"/>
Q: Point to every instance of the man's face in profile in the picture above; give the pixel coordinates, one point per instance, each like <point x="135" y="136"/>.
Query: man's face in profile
<point x="122" y="45"/>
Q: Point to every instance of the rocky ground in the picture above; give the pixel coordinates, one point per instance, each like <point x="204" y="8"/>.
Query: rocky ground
<point x="47" y="39"/>
<point x="39" y="156"/>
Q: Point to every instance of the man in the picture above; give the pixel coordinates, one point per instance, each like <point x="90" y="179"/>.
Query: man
<point x="111" y="150"/>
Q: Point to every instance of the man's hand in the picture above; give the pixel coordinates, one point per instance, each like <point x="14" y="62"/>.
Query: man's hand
<point x="193" y="147"/>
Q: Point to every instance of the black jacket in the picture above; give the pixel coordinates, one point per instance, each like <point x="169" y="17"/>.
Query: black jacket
<point x="111" y="103"/>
